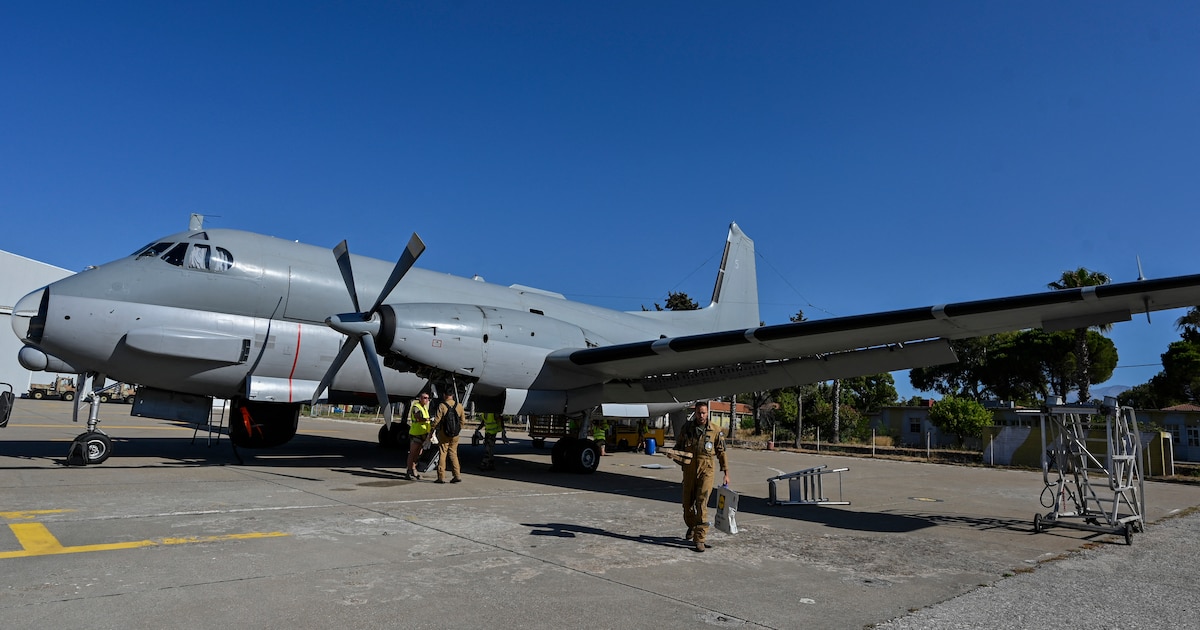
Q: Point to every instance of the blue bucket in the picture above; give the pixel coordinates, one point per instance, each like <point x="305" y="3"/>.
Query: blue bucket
<point x="651" y="447"/>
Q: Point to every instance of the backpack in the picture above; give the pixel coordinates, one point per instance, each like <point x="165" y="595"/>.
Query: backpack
<point x="451" y="423"/>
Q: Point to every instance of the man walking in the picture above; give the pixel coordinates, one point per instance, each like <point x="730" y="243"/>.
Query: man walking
<point x="703" y="442"/>
<point x="448" y="423"/>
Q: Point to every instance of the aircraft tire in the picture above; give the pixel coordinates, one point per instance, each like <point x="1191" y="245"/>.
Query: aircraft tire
<point x="585" y="457"/>
<point x="393" y="438"/>
<point x="96" y="447"/>
<point x="559" y="455"/>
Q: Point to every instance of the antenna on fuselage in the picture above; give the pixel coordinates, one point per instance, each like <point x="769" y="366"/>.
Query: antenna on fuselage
<point x="1142" y="277"/>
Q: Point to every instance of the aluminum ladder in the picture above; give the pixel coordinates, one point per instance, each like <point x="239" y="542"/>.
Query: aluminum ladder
<point x="806" y="487"/>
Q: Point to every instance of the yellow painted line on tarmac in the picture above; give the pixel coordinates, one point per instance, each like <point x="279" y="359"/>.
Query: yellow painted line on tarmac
<point x="36" y="540"/>
<point x="25" y="515"/>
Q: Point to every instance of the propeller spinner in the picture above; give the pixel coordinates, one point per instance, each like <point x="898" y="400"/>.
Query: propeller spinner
<point x="361" y="328"/>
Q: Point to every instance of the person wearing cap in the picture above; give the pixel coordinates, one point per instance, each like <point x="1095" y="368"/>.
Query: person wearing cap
<point x="448" y="444"/>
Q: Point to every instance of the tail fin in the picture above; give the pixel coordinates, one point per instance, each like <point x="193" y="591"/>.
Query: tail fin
<point x="735" y="295"/>
<point x="734" y="303"/>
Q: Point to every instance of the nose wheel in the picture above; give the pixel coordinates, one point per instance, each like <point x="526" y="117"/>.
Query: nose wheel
<point x="92" y="446"/>
<point x="89" y="448"/>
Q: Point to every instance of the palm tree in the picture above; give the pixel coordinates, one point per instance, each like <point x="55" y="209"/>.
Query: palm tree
<point x="1192" y="319"/>
<point x="1082" y="277"/>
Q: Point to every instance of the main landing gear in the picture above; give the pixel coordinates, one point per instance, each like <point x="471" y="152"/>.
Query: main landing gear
<point x="573" y="454"/>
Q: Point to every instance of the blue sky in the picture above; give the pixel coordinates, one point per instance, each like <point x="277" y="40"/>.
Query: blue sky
<point x="882" y="155"/>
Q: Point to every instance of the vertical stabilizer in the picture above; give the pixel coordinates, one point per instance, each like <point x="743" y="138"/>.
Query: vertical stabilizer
<point x="735" y="295"/>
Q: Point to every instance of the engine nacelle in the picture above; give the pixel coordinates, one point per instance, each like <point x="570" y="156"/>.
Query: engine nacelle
<point x="504" y="347"/>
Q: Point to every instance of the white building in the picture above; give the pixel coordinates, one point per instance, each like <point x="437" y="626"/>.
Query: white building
<point x="18" y="277"/>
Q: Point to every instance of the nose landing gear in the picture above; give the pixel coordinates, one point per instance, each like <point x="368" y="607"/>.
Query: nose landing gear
<point x="92" y="446"/>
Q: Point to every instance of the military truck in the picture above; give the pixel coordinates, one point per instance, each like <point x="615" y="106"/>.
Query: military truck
<point x="63" y="388"/>
<point x="118" y="392"/>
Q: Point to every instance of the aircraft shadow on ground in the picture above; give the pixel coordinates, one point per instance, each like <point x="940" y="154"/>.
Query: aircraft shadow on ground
<point x="570" y="530"/>
<point x="384" y="466"/>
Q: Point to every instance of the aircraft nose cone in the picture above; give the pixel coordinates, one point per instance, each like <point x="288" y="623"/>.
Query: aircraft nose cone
<point x="24" y="313"/>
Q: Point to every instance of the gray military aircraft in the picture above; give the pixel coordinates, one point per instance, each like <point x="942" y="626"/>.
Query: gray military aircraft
<point x="271" y="324"/>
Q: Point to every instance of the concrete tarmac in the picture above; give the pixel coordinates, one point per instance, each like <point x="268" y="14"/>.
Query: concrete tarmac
<point x="323" y="532"/>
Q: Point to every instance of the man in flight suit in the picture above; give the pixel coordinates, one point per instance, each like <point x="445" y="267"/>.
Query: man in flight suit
<point x="702" y="442"/>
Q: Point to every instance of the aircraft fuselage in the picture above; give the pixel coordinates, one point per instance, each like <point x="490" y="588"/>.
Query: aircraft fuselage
<point x="227" y="313"/>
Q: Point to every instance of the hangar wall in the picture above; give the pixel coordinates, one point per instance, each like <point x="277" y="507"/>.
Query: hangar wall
<point x="19" y="276"/>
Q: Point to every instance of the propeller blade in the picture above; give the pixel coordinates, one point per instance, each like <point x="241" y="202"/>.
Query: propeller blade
<point x="342" y="355"/>
<point x="342" y="253"/>
<point x="413" y="251"/>
<point x="368" y="346"/>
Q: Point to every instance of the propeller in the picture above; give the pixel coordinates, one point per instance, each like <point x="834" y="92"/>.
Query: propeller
<point x="361" y="328"/>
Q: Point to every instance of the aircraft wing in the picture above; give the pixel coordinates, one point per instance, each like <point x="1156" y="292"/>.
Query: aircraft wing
<point x="767" y="357"/>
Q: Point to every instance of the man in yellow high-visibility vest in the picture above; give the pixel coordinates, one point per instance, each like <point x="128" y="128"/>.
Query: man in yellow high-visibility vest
<point x="493" y="424"/>
<point x="418" y="432"/>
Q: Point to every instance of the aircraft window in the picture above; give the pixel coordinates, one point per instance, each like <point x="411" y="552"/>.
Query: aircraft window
<point x="175" y="255"/>
<point x="198" y="257"/>
<point x="155" y="250"/>
<point x="221" y="260"/>
<point x="202" y="257"/>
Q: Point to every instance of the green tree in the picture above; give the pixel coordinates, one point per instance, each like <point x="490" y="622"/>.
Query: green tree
<point x="819" y="415"/>
<point x="1031" y="365"/>
<point x="1055" y="356"/>
<point x="1142" y="396"/>
<point x="961" y="417"/>
<point x="869" y="393"/>
<point x="1082" y="277"/>
<point x="964" y="378"/>
<point x="1013" y="367"/>
<point x="1190" y="320"/>
<point x="1179" y="380"/>
<point x="679" y="301"/>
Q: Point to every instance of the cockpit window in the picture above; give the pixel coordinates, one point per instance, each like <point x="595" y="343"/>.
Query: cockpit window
<point x="154" y="250"/>
<point x="221" y="260"/>
<point x="175" y="255"/>
<point x="206" y="257"/>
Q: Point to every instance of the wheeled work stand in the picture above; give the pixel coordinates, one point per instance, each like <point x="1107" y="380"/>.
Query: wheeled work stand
<point x="1091" y="464"/>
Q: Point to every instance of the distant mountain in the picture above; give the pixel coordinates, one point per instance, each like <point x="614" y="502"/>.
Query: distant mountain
<point x="1098" y="393"/>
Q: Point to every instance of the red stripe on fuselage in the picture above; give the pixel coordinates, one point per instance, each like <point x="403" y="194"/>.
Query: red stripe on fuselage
<point x="295" y="360"/>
